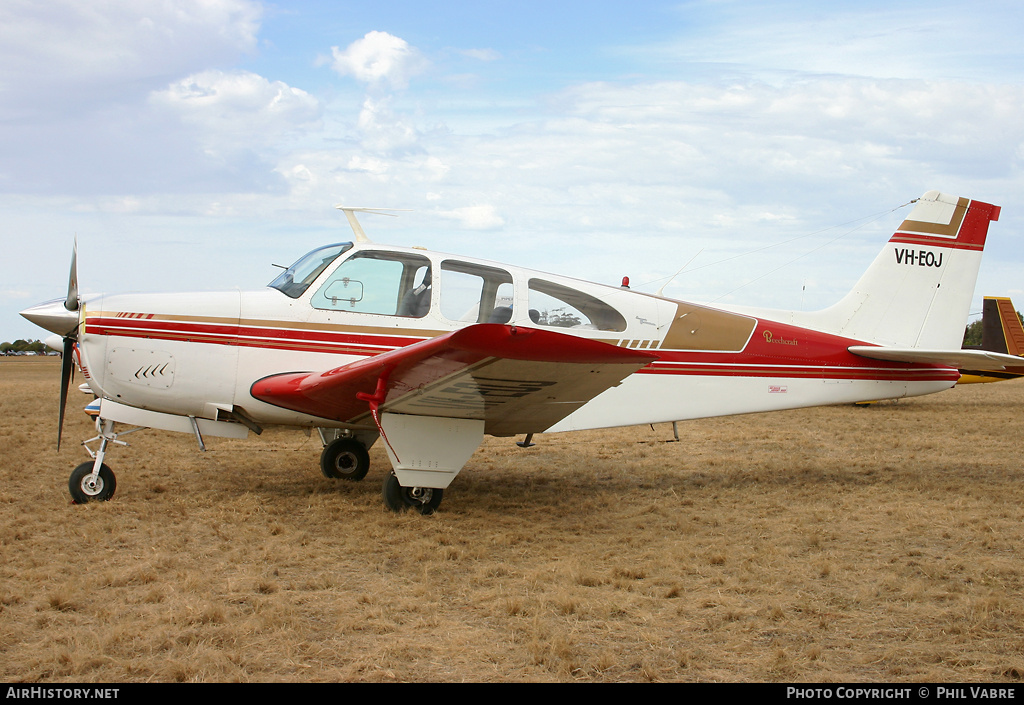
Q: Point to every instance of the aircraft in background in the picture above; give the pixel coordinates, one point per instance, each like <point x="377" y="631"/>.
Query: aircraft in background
<point x="1001" y="332"/>
<point x="430" y="352"/>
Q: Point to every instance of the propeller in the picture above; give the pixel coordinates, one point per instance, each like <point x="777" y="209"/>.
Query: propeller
<point x="62" y="317"/>
<point x="67" y="363"/>
<point x="71" y="302"/>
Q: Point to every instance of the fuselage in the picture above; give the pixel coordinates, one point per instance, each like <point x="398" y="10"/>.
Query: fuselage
<point x="199" y="354"/>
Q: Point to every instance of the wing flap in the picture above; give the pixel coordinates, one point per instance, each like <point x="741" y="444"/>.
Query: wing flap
<point x="515" y="379"/>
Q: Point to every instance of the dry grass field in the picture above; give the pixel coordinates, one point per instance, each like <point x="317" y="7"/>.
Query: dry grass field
<point x="833" y="544"/>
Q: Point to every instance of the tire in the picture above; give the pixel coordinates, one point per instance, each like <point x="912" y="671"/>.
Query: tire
<point x="83" y="491"/>
<point x="345" y="458"/>
<point x="398" y="499"/>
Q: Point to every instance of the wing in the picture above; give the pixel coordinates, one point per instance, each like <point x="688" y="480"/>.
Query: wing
<point x="515" y="379"/>
<point x="961" y="359"/>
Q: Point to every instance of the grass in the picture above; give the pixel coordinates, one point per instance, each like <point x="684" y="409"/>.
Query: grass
<point x="833" y="544"/>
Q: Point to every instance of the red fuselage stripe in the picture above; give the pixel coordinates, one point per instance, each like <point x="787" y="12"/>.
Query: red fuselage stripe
<point x="671" y="362"/>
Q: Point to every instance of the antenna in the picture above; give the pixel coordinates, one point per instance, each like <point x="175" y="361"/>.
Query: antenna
<point x="662" y="289"/>
<point x="350" y="214"/>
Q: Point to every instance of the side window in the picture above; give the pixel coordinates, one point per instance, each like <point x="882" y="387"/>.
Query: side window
<point x="558" y="306"/>
<point x="384" y="283"/>
<point x="473" y="293"/>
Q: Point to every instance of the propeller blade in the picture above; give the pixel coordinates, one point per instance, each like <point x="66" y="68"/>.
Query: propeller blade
<point x="67" y="369"/>
<point x="71" y="303"/>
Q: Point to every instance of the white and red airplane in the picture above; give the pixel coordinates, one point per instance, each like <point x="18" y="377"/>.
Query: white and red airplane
<point x="430" y="351"/>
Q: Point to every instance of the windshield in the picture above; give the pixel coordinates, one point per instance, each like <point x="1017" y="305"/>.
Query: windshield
<point x="296" y="279"/>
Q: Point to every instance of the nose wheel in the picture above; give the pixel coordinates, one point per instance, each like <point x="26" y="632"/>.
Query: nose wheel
<point x="85" y="486"/>
<point x="94" y="481"/>
<point x="399" y="499"/>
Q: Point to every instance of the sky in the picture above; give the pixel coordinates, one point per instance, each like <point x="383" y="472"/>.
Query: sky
<point x="765" y="149"/>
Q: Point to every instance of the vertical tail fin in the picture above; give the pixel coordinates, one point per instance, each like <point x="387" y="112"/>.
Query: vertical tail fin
<point x="917" y="293"/>
<point x="1001" y="329"/>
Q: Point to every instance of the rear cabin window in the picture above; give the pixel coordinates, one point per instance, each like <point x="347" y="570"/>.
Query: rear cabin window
<point x="383" y="283"/>
<point x="558" y="306"/>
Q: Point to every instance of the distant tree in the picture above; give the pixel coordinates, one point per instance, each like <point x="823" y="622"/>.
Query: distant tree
<point x="972" y="334"/>
<point x="22" y="346"/>
<point x="558" y="318"/>
<point x="564" y="320"/>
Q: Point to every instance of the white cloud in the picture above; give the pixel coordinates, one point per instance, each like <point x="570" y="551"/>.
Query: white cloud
<point x="382" y="130"/>
<point x="238" y="108"/>
<point x="75" y="83"/>
<point x="60" y="52"/>
<point x="371" y="165"/>
<point x="481" y="54"/>
<point x="379" y="59"/>
<point x="871" y="39"/>
<point x="482" y="217"/>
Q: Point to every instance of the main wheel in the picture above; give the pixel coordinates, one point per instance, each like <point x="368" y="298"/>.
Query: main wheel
<point x="424" y="499"/>
<point x="84" y="488"/>
<point x="345" y="458"/>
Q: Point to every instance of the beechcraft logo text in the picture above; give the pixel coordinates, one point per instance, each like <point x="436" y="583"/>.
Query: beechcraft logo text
<point x="769" y="338"/>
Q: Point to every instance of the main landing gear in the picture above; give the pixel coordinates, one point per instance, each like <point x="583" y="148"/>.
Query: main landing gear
<point x="399" y="499"/>
<point x="345" y="458"/>
<point x="348" y="458"/>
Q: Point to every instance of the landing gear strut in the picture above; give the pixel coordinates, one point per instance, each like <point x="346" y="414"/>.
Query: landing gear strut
<point x="424" y="499"/>
<point x="94" y="481"/>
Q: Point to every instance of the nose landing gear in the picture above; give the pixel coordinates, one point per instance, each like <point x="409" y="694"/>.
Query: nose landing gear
<point x="87" y="486"/>
<point x="94" y="481"/>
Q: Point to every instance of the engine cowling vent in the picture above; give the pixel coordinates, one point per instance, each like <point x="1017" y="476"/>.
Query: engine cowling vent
<point x="149" y="368"/>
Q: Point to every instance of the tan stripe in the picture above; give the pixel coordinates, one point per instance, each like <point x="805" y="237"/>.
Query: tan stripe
<point x="950" y="230"/>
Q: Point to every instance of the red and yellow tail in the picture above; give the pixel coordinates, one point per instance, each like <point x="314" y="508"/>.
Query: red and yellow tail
<point x="1001" y="332"/>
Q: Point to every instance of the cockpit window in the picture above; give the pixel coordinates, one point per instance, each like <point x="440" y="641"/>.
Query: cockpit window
<point x="384" y="283"/>
<point x="296" y="279"/>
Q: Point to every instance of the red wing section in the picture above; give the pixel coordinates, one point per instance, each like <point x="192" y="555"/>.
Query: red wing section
<point x="517" y="380"/>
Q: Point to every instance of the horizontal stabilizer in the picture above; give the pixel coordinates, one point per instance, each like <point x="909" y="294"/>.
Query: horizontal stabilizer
<point x="961" y="359"/>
